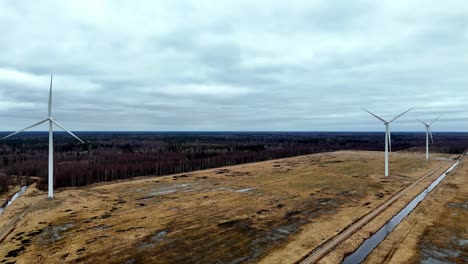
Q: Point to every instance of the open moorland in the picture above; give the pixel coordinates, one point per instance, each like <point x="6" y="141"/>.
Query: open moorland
<point x="271" y="211"/>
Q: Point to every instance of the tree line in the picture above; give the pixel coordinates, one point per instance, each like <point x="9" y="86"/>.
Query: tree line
<point x="108" y="156"/>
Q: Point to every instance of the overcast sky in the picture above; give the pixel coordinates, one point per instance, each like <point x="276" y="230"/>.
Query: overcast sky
<point x="234" y="65"/>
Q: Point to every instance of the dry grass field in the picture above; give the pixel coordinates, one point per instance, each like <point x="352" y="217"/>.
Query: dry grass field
<point x="271" y="212"/>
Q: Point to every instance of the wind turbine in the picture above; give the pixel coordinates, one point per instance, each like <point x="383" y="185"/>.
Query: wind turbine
<point x="51" y="139"/>
<point x="428" y="133"/>
<point x="388" y="136"/>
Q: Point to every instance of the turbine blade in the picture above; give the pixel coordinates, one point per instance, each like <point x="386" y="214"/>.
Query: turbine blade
<point x="50" y="96"/>
<point x="398" y="116"/>
<point x="31" y="126"/>
<point x="434" y="120"/>
<point x="430" y="133"/>
<point x="422" y="122"/>
<point x="374" y="115"/>
<point x="69" y="132"/>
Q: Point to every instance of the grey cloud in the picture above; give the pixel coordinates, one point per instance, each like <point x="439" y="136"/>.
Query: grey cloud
<point x="237" y="65"/>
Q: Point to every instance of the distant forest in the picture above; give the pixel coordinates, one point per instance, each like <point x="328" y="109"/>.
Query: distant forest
<point x="110" y="156"/>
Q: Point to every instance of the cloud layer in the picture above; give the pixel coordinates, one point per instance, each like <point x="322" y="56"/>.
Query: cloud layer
<point x="234" y="65"/>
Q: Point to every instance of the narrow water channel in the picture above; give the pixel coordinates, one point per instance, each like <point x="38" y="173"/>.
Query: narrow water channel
<point x="372" y="242"/>
<point x="13" y="198"/>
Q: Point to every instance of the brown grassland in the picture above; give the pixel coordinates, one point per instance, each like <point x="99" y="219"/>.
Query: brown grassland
<point x="272" y="212"/>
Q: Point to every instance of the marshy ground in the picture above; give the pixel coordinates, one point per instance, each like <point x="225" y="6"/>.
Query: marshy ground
<point x="272" y="212"/>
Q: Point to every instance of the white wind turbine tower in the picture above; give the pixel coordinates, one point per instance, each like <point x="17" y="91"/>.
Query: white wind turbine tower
<point x="51" y="139"/>
<point x="388" y="136"/>
<point x="428" y="133"/>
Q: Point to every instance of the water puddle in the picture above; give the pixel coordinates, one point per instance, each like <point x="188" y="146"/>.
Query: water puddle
<point x="12" y="199"/>
<point x="172" y="189"/>
<point x="220" y="189"/>
<point x="371" y="243"/>
<point x="435" y="255"/>
<point x="157" y="238"/>
<point x="245" y="190"/>
<point x="52" y="234"/>
<point x="163" y="192"/>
